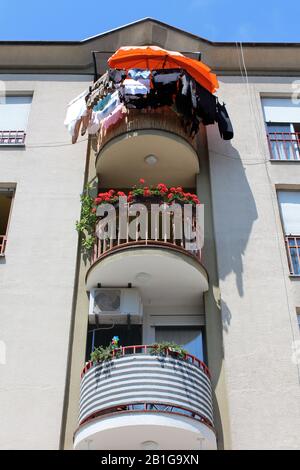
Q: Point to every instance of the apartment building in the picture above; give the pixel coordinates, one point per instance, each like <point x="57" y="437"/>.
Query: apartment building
<point x="233" y="305"/>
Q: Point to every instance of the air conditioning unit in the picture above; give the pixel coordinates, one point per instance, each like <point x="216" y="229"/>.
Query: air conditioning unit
<point x="110" y="303"/>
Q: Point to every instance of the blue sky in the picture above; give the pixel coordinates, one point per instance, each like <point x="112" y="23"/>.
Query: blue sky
<point x="255" y="20"/>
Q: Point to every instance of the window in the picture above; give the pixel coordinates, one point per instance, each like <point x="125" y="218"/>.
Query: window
<point x="282" y="118"/>
<point x="289" y="202"/>
<point x="189" y="337"/>
<point x="6" y="198"/>
<point x="14" y="112"/>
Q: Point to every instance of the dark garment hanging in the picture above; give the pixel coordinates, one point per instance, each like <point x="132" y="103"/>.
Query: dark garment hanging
<point x="206" y="105"/>
<point x="159" y="97"/>
<point x="132" y="101"/>
<point x="166" y="80"/>
<point x="224" y="123"/>
<point x="195" y="125"/>
<point x="183" y="100"/>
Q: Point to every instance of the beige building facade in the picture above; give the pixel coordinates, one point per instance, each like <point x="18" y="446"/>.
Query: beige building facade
<point x="240" y="301"/>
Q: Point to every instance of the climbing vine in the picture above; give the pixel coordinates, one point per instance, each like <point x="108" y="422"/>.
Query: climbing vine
<point x="86" y="225"/>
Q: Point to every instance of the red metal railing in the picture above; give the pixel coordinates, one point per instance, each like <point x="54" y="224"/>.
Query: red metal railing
<point x="148" y="349"/>
<point x="2" y="244"/>
<point x="151" y="408"/>
<point x="284" y="145"/>
<point x="292" y="243"/>
<point x="12" y="137"/>
<point x="167" y="239"/>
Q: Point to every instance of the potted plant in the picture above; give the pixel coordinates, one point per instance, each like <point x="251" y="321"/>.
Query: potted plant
<point x="149" y="195"/>
<point x="167" y="348"/>
<point x="103" y="354"/>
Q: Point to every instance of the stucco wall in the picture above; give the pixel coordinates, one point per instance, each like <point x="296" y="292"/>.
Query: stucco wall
<point x="37" y="273"/>
<point x="258" y="302"/>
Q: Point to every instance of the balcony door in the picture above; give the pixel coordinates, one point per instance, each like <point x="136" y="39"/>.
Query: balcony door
<point x="129" y="335"/>
<point x="189" y="337"/>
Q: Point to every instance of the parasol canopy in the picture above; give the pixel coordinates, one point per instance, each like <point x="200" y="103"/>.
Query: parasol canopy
<point x="153" y="58"/>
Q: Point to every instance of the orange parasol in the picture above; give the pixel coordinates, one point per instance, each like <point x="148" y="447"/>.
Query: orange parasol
<point x="153" y="57"/>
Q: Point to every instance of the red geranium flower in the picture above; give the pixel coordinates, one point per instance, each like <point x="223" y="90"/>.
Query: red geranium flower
<point x="142" y="181"/>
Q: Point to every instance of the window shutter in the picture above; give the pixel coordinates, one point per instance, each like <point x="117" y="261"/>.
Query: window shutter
<point x="289" y="202"/>
<point x="281" y="110"/>
<point x="14" y="111"/>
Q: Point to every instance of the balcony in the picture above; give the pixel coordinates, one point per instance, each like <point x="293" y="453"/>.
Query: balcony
<point x="284" y="146"/>
<point x="161" y="265"/>
<point x="293" y="251"/>
<point x="139" y="399"/>
<point x="12" y="137"/>
<point x="140" y="133"/>
<point x="2" y="244"/>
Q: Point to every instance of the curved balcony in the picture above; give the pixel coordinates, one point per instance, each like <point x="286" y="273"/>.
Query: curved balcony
<point x="163" y="267"/>
<point x="158" y="132"/>
<point x="140" y="399"/>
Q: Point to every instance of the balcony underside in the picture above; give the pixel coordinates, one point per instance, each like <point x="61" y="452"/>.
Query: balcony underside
<point x="122" y="160"/>
<point x="135" y="431"/>
<point x="165" y="275"/>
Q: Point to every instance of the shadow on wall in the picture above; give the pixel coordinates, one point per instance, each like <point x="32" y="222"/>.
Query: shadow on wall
<point x="234" y="212"/>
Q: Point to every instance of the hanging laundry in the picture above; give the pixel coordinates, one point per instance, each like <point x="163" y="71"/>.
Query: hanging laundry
<point x="139" y="74"/>
<point x="75" y="110"/>
<point x="99" y="89"/>
<point x="86" y="119"/>
<point x="142" y="76"/>
<point x="193" y="88"/>
<point x="185" y="90"/>
<point x="183" y="100"/>
<point x="224" y="123"/>
<point x="158" y="97"/>
<point x="98" y="116"/>
<point x="117" y="75"/>
<point x="206" y="105"/>
<point x="102" y="103"/>
<point x="94" y="124"/>
<point x="166" y="79"/>
<point x="134" y="101"/>
<point x="110" y="105"/>
<point x="135" y="87"/>
<point x="195" y="125"/>
<point x="116" y="116"/>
